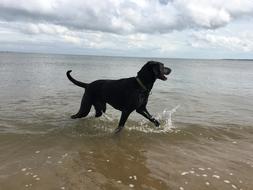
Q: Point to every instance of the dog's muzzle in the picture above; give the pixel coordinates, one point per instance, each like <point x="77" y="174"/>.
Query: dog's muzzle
<point x="166" y="71"/>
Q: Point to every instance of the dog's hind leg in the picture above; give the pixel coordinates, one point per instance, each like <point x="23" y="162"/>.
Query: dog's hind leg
<point x="98" y="112"/>
<point x="100" y="108"/>
<point x="84" y="108"/>
<point x="104" y="107"/>
<point x="123" y="118"/>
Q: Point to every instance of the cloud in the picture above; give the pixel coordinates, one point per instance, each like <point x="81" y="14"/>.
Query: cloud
<point x="166" y="28"/>
<point x="242" y="42"/>
<point x="127" y="17"/>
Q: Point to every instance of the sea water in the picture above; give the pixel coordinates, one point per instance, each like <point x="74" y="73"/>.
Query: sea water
<point x="204" y="142"/>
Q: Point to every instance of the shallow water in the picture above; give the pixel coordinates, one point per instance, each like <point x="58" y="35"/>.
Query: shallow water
<point x="204" y="142"/>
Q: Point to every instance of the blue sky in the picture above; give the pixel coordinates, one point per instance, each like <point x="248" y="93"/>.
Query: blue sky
<point x="145" y="28"/>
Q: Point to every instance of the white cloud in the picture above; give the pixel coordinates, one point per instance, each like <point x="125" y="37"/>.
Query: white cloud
<point x="242" y="42"/>
<point x="72" y="39"/>
<point x="42" y="28"/>
<point x="147" y="27"/>
<point x="127" y="16"/>
<point x="213" y="14"/>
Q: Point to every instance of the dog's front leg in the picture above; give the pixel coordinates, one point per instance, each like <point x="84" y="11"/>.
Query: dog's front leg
<point x="144" y="112"/>
<point x="123" y="118"/>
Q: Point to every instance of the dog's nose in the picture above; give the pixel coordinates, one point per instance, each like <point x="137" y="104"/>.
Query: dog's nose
<point x="167" y="70"/>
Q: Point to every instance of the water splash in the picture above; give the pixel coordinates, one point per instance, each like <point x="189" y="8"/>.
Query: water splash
<point x="165" y="119"/>
<point x="145" y="126"/>
<point x="106" y="116"/>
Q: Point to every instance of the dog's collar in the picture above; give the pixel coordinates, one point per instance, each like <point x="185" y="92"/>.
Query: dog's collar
<point x="141" y="84"/>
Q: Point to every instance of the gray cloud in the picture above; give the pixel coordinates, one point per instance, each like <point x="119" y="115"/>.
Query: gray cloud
<point x="165" y="2"/>
<point x="155" y="16"/>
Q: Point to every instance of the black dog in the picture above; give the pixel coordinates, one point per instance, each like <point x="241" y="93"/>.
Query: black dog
<point x="126" y="94"/>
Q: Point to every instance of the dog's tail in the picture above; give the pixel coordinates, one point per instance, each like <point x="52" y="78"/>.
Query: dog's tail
<point x="76" y="82"/>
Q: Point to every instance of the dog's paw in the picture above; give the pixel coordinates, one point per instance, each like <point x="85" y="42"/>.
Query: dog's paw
<point x="74" y="116"/>
<point x="157" y="124"/>
<point x="118" y="129"/>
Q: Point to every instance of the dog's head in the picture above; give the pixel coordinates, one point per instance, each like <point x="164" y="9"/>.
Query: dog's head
<point x="155" y="69"/>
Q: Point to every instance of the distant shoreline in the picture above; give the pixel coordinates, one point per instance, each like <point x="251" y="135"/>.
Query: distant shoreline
<point x="65" y="54"/>
<point x="237" y="59"/>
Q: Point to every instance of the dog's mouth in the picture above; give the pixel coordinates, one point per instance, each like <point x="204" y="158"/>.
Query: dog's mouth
<point x="165" y="71"/>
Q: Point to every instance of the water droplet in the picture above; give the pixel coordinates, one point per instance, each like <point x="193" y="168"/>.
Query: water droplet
<point x="184" y="173"/>
<point x="131" y="185"/>
<point x="216" y="176"/>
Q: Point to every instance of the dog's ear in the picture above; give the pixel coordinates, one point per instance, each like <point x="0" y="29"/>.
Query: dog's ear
<point x="156" y="70"/>
<point x="154" y="67"/>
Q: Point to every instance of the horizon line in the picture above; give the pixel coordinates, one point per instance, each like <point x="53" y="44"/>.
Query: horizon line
<point x="124" y="56"/>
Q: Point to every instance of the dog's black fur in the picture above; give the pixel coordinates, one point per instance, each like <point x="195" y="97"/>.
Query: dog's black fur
<point x="126" y="95"/>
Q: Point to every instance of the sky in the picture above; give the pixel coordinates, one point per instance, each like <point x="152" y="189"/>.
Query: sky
<point x="211" y="29"/>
